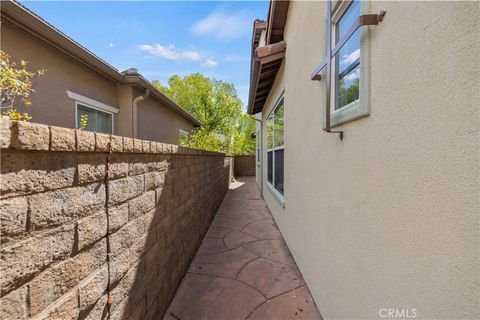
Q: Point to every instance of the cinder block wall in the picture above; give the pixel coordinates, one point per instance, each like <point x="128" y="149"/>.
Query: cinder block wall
<point x="244" y="166"/>
<point x="61" y="213"/>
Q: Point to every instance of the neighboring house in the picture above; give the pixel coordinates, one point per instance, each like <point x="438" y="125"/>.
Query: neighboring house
<point x="386" y="218"/>
<point x="78" y="82"/>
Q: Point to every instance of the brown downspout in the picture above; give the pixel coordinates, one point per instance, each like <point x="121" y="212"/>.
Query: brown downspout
<point x="261" y="154"/>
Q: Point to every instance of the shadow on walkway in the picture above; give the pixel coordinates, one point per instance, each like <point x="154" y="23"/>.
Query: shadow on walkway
<point x="243" y="268"/>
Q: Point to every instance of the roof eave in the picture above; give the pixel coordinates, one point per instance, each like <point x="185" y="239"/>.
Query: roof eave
<point x="253" y="85"/>
<point x="272" y="53"/>
<point x="263" y="56"/>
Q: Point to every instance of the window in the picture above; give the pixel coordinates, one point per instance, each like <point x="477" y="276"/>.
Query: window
<point x="184" y="134"/>
<point x="346" y="62"/>
<point x="275" y="147"/>
<point x="97" y="120"/>
<point x="346" y="70"/>
<point x="99" y="115"/>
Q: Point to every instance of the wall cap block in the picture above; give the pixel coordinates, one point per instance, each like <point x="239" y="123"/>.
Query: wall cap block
<point x="22" y="135"/>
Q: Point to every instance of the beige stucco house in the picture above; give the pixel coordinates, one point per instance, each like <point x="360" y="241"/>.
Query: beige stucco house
<point x="368" y="152"/>
<point x="78" y="82"/>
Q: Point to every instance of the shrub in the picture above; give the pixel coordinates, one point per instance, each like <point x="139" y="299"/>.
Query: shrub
<point x="16" y="86"/>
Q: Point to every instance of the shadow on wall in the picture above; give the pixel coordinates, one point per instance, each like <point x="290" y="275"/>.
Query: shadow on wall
<point x="168" y="222"/>
<point x="59" y="219"/>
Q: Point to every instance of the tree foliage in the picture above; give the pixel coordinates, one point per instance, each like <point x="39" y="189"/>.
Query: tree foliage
<point x="16" y="86"/>
<point x="243" y="136"/>
<point x="216" y="104"/>
<point x="347" y="94"/>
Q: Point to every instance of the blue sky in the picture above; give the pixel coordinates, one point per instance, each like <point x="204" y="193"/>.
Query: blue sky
<point x="163" y="38"/>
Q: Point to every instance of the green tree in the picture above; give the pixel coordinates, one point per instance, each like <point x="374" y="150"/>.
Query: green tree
<point x="347" y="94"/>
<point x="244" y="142"/>
<point x="216" y="104"/>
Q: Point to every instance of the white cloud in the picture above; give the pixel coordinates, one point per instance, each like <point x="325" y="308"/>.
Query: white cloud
<point x="111" y="45"/>
<point x="170" y="52"/>
<point x="209" y="63"/>
<point x="350" y="58"/>
<point x="223" y="26"/>
<point x="353" y="75"/>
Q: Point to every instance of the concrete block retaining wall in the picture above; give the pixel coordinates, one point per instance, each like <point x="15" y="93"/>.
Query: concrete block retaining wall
<point x="244" y="165"/>
<point x="62" y="210"/>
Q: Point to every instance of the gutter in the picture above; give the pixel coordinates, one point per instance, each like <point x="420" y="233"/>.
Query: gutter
<point x="258" y="26"/>
<point x="253" y="84"/>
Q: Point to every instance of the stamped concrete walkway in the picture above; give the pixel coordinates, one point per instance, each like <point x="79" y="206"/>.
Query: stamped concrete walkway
<point x="243" y="268"/>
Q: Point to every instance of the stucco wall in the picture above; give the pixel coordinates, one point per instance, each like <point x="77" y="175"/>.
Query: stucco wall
<point x="388" y="217"/>
<point x="62" y="210"/>
<point x="158" y="122"/>
<point x="124" y="120"/>
<point x="50" y="103"/>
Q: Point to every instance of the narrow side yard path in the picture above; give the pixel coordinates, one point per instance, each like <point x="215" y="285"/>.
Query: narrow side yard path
<point x="243" y="268"/>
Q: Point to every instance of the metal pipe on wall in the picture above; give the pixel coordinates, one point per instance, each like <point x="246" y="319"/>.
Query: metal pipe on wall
<point x="261" y="153"/>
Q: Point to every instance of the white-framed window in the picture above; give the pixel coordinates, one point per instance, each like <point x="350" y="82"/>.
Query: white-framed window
<point x="345" y="93"/>
<point x="100" y="116"/>
<point x="276" y="148"/>
<point x="97" y="120"/>
<point x="183" y="134"/>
